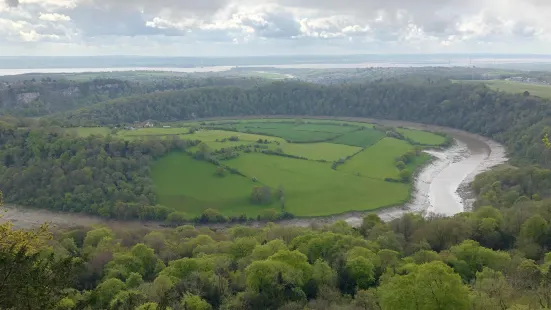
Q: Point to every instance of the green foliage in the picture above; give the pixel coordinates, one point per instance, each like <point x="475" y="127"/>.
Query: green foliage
<point x="97" y="175"/>
<point x="33" y="281"/>
<point x="503" y="187"/>
<point x="106" y="291"/>
<point x="428" y="286"/>
<point x="361" y="271"/>
<point x="134" y="280"/>
<point x="149" y="306"/>
<point x="261" y="195"/>
<point x="411" y="262"/>
<point x="405" y="175"/>
<point x="492" y="290"/>
<point x="194" y="302"/>
<point x="55" y="95"/>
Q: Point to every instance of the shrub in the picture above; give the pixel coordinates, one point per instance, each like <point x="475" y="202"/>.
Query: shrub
<point x="220" y="172"/>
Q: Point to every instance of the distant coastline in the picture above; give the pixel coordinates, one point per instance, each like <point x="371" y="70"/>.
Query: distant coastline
<point x="39" y="64"/>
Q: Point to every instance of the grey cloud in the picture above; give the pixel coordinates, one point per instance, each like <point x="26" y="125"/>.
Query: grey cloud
<point x="522" y="30"/>
<point x="368" y="7"/>
<point x="93" y="21"/>
<point x="12" y="3"/>
<point x="435" y="17"/>
<point x="171" y="7"/>
<point x="274" y="25"/>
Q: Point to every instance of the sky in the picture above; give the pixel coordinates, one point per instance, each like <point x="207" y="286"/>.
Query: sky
<point x="272" y="27"/>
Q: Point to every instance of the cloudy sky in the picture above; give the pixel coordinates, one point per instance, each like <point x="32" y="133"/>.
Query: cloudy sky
<point x="272" y="27"/>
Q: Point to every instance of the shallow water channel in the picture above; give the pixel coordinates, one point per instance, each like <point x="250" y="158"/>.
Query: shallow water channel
<point x="440" y="187"/>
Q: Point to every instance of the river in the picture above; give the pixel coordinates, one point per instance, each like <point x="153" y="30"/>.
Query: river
<point x="5" y="72"/>
<point x="441" y="187"/>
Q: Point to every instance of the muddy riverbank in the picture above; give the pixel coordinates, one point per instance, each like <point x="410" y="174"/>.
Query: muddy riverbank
<point x="440" y="187"/>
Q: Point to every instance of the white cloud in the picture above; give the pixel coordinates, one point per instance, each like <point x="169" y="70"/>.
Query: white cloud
<point x="33" y="36"/>
<point x="54" y="17"/>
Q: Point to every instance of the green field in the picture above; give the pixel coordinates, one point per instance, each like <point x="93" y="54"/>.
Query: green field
<point x="314" y="189"/>
<point x="378" y="161"/>
<point x="320" y="151"/>
<point x="191" y="186"/>
<point x="88" y="131"/>
<point x="543" y="91"/>
<point x="154" y="132"/>
<point x="422" y="137"/>
<point x="325" y="128"/>
<point x="290" y="131"/>
<point x="314" y="185"/>
<point x="361" y="138"/>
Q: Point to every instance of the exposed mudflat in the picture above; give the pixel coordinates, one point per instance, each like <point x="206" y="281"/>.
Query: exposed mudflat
<point x="440" y="187"/>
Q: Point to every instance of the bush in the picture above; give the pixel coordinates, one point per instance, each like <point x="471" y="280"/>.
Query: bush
<point x="268" y="215"/>
<point x="261" y="195"/>
<point x="211" y="216"/>
<point x="220" y="172"/>
<point x="400" y="165"/>
<point x="405" y="175"/>
<point x="176" y="218"/>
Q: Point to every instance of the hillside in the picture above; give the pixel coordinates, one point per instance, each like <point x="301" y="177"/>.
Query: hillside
<point x="517" y="121"/>
<point x="31" y="97"/>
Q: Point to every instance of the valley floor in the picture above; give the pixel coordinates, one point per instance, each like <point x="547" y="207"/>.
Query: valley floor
<point x="25" y="218"/>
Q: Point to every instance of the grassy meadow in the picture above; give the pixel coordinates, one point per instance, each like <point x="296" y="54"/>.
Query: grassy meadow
<point x="292" y="131"/>
<point x="89" y="131"/>
<point x="314" y="189"/>
<point x="191" y="186"/>
<point x="313" y="185"/>
<point x="422" y="137"/>
<point x="378" y="161"/>
<point x="360" y="138"/>
<point x="320" y="151"/>
<point x="543" y="91"/>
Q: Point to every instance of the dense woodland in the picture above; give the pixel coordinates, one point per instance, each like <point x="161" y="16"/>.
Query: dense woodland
<point x="518" y="121"/>
<point x="487" y="259"/>
<point x="47" y="95"/>
<point x="97" y="175"/>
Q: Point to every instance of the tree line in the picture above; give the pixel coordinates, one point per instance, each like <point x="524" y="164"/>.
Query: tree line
<point x="30" y="98"/>
<point x="517" y="121"/>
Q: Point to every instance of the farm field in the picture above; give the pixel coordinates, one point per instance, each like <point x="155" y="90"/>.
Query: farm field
<point x="378" y="161"/>
<point x="292" y="131"/>
<point x="88" y="131"/>
<point x="361" y="138"/>
<point x="154" y="132"/>
<point x="422" y="137"/>
<point x="348" y="170"/>
<point x="191" y="186"/>
<point x="314" y="189"/>
<point x="543" y="91"/>
<point x="319" y="151"/>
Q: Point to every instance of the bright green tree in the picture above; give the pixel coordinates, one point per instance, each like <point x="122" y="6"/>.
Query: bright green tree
<point x="431" y="286"/>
